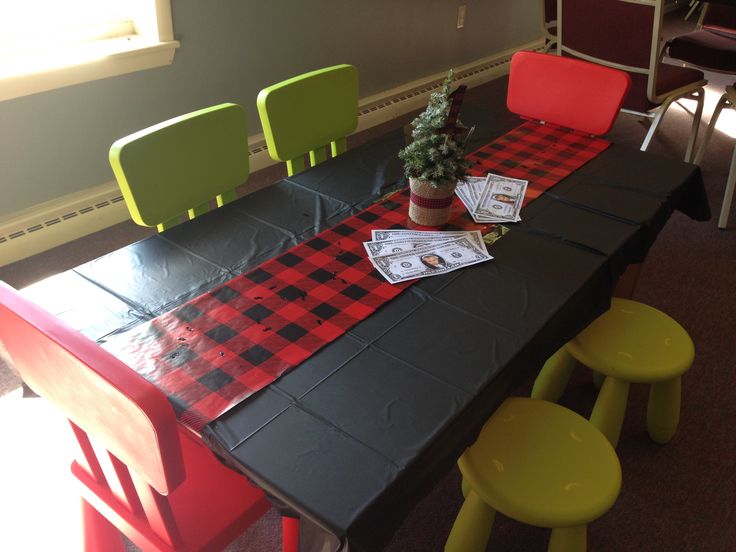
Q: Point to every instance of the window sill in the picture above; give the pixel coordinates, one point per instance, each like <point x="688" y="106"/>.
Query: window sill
<point x="114" y="57"/>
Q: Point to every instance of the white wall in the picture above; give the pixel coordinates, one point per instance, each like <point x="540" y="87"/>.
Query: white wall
<point x="55" y="143"/>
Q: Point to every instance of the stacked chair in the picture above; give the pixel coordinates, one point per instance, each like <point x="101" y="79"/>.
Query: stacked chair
<point x="549" y="23"/>
<point x="308" y="114"/>
<point x="180" y="166"/>
<point x="535" y="461"/>
<point x="713" y="47"/>
<point x="138" y="469"/>
<point x="625" y="34"/>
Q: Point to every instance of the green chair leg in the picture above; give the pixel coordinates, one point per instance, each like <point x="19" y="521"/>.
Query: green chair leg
<point x="663" y="411"/>
<point x="554" y="375"/>
<point x="465" y="487"/>
<point x="568" y="539"/>
<point x="472" y="528"/>
<point x="610" y="407"/>
<point x="598" y="379"/>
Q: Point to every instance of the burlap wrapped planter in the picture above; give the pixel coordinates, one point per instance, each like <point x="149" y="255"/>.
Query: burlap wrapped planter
<point x="430" y="205"/>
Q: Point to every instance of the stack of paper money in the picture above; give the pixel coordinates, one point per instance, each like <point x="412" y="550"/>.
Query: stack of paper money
<point x="493" y="198"/>
<point x="408" y="254"/>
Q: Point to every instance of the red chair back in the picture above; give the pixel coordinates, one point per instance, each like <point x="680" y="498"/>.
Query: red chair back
<point x="99" y="394"/>
<point x="566" y="92"/>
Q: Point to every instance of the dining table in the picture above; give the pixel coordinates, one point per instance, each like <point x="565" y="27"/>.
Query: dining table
<point x="358" y="432"/>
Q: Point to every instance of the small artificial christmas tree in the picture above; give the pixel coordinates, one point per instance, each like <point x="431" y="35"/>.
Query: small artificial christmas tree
<point x="437" y="153"/>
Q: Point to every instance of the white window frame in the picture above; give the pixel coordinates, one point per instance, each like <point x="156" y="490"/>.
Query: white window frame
<point x="152" y="45"/>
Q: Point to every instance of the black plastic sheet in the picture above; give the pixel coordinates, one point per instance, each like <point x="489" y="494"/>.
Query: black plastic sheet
<point x="357" y="434"/>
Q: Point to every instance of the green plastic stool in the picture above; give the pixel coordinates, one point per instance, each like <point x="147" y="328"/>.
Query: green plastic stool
<point x="630" y="343"/>
<point x="180" y="165"/>
<point x="541" y="464"/>
<point x="305" y="114"/>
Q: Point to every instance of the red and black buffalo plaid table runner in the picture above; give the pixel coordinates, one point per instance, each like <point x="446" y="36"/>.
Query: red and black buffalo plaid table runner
<point x="541" y="154"/>
<point x="214" y="351"/>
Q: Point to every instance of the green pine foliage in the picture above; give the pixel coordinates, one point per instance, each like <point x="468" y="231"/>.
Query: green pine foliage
<point x="432" y="156"/>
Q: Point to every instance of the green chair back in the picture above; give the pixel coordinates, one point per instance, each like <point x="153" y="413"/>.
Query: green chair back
<point x="180" y="165"/>
<point x="304" y="114"/>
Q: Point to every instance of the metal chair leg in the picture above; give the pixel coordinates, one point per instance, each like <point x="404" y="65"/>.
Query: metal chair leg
<point x="711" y="126"/>
<point x="728" y="194"/>
<point x="700" y="93"/>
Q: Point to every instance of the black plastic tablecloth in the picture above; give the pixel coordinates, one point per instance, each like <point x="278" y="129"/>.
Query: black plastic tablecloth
<point x="356" y="435"/>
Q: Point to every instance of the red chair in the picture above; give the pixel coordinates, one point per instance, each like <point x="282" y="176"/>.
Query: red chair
<point x="566" y="92"/>
<point x="625" y="34"/>
<point x="138" y="468"/>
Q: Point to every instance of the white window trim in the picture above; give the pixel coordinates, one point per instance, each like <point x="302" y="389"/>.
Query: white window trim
<point x="124" y="56"/>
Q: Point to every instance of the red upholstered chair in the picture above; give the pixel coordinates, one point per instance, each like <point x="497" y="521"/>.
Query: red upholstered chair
<point x="138" y="468"/>
<point x="625" y="34"/>
<point x="713" y="47"/>
<point x="566" y="92"/>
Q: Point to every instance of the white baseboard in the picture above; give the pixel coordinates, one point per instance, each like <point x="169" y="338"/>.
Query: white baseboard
<point x="59" y="221"/>
<point x="73" y="216"/>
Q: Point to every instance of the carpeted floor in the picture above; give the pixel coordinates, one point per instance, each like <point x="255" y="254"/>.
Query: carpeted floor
<point x="675" y="497"/>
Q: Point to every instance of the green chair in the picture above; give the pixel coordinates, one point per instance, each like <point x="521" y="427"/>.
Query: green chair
<point x="630" y="343"/>
<point x="540" y="464"/>
<point x="306" y="113"/>
<point x="180" y="165"/>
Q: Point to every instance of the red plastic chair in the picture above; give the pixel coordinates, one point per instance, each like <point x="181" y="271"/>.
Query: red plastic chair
<point x="566" y="92"/>
<point x="138" y="468"/>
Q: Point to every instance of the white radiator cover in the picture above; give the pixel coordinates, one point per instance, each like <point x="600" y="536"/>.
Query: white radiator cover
<point x="69" y="217"/>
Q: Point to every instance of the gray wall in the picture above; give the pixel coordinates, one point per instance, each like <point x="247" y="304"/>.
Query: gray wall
<point x="55" y="143"/>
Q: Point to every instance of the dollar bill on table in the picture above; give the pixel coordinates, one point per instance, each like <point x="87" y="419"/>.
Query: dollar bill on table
<point x="395" y="241"/>
<point x="427" y="235"/>
<point x="499" y="198"/>
<point x="469" y="191"/>
<point x="430" y="259"/>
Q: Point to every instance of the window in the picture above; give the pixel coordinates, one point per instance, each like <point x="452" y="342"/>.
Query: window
<point x="47" y="44"/>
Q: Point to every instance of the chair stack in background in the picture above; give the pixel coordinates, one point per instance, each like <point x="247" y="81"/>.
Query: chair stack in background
<point x="713" y="47"/>
<point x="626" y="35"/>
<point x="549" y="23"/>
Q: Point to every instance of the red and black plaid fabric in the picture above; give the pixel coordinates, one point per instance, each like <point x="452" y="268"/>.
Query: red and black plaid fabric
<point x="541" y="154"/>
<point x="216" y="350"/>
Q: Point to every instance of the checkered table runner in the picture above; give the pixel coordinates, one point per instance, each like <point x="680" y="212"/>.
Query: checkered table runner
<point x="216" y="350"/>
<point x="541" y="154"/>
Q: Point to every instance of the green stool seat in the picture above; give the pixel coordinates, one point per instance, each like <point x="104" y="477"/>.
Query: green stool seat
<point x="630" y="343"/>
<point x="538" y="463"/>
